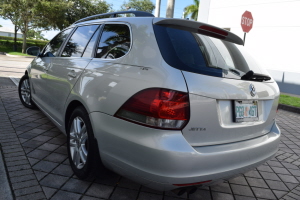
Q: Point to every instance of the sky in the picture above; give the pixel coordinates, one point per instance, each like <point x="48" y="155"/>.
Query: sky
<point x="178" y="10"/>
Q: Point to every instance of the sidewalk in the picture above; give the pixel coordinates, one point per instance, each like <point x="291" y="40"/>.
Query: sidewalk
<point x="5" y="189"/>
<point x="35" y="157"/>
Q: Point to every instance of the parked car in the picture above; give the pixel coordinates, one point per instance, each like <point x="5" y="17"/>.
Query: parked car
<point x="169" y="103"/>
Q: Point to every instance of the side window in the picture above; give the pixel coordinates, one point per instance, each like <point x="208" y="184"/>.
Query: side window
<point x="51" y="50"/>
<point x="115" y="41"/>
<point x="78" y="41"/>
<point x="89" y="48"/>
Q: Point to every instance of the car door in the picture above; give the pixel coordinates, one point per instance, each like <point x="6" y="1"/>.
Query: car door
<point x="40" y="66"/>
<point x="65" y="69"/>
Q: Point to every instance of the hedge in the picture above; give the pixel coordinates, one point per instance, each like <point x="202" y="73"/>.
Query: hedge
<point x="21" y="39"/>
<point x="29" y="43"/>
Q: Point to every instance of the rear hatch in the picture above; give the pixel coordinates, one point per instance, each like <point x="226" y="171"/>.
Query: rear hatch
<point x="232" y="98"/>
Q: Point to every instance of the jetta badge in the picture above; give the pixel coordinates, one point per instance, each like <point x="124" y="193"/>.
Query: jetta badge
<point x="252" y="90"/>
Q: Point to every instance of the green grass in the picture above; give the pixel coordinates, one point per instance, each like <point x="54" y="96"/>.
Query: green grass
<point x="17" y="53"/>
<point x="289" y="100"/>
<point x="11" y="52"/>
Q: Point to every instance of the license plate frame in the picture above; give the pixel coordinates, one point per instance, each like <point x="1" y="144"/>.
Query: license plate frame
<point x="245" y="111"/>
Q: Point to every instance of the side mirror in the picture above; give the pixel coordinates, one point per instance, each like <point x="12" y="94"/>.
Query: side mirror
<point x="34" y="51"/>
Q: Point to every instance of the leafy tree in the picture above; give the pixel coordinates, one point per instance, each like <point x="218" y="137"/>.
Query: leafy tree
<point x="1" y="25"/>
<point x="33" y="34"/>
<point x="48" y="14"/>
<point x="8" y="12"/>
<point x="23" y="14"/>
<point x="192" y="9"/>
<point x="140" y="5"/>
<point x="54" y="16"/>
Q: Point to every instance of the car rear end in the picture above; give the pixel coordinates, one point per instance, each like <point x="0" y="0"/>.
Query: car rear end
<point x="221" y="125"/>
<point x="233" y="101"/>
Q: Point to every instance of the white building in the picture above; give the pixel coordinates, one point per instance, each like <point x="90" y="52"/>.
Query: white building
<point x="9" y="32"/>
<point x="274" y="38"/>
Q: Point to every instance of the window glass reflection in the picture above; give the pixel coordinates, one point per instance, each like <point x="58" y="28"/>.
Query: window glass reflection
<point x="224" y="52"/>
<point x="89" y="49"/>
<point x="52" y="48"/>
<point x="78" y="41"/>
<point x="115" y="41"/>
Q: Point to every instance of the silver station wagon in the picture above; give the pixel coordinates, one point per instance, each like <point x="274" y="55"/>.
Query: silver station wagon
<point x="172" y="104"/>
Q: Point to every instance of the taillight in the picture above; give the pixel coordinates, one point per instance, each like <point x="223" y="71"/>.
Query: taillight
<point x="158" y="108"/>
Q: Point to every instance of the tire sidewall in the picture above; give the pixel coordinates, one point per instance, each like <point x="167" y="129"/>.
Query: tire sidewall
<point x="20" y="95"/>
<point x="86" y="171"/>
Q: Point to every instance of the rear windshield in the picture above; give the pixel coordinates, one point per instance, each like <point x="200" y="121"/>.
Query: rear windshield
<point x="196" y="53"/>
<point x="180" y="50"/>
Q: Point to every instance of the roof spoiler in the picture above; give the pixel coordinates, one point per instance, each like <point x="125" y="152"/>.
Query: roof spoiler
<point x="201" y="28"/>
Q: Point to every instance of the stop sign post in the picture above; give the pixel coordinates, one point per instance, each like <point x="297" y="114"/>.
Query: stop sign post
<point x="246" y="23"/>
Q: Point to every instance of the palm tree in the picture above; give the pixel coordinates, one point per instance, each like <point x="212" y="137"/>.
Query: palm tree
<point x="192" y="9"/>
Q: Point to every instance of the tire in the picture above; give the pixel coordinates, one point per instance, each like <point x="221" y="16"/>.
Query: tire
<point x="82" y="147"/>
<point x="25" y="92"/>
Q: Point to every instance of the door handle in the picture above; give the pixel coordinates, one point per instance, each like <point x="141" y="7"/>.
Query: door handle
<point x="72" y="74"/>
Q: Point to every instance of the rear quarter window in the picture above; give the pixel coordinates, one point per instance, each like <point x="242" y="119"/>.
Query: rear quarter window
<point x="115" y="41"/>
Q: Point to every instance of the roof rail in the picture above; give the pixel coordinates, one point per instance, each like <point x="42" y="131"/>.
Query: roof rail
<point x="114" y="14"/>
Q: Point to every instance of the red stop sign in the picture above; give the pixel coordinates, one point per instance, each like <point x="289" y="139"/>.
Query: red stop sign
<point x="247" y="21"/>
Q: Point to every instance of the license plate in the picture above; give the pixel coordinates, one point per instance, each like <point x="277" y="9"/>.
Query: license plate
<point x="245" y="111"/>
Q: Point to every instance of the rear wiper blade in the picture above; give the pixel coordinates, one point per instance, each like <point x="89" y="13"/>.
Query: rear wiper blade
<point x="250" y="75"/>
<point x="235" y="71"/>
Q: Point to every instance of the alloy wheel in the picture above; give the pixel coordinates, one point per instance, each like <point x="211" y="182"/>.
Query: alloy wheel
<point x="25" y="92"/>
<point x="78" y="142"/>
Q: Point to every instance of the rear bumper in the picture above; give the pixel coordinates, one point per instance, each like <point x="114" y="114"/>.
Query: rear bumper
<point x="160" y="158"/>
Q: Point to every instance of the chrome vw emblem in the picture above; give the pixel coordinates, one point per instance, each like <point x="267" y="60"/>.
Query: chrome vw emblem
<point x="252" y="90"/>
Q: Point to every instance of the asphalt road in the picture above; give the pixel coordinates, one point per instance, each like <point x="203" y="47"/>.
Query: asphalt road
<point x="13" y="66"/>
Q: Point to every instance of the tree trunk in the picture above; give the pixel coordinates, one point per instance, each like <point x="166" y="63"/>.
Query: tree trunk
<point x="15" y="39"/>
<point x="170" y="8"/>
<point x="24" y="42"/>
<point x="24" y="31"/>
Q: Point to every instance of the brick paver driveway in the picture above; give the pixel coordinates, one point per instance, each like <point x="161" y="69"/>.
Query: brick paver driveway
<point x="36" y="160"/>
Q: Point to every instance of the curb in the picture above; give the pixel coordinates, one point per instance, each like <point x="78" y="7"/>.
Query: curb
<point x="289" y="108"/>
<point x="20" y="56"/>
<point x="15" y="80"/>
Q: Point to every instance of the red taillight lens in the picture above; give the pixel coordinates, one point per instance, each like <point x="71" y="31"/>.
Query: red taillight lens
<point x="156" y="107"/>
<point x="214" y="30"/>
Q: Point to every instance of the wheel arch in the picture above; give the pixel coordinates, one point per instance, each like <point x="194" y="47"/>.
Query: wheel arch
<point x="72" y="105"/>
